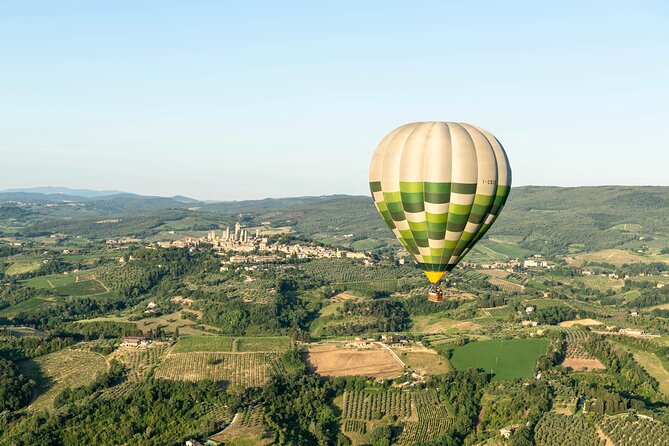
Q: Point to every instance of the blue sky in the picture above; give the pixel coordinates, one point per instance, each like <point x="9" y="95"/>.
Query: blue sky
<point x="232" y="100"/>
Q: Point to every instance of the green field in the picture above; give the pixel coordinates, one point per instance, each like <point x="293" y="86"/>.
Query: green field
<point x="544" y="303"/>
<point x="26" y="305"/>
<point x="258" y="344"/>
<point x="629" y="227"/>
<point x="194" y="343"/>
<point x="22" y="267"/>
<point x="507" y="359"/>
<point x="366" y="244"/>
<point x="489" y="251"/>
<point x="50" y="282"/>
<point x="197" y="343"/>
<point x="81" y="284"/>
<point x="83" y="288"/>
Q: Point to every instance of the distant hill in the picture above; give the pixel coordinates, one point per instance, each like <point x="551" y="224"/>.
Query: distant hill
<point x="50" y="190"/>
<point x="539" y="218"/>
<point x="544" y="219"/>
<point x="269" y="204"/>
<point x="104" y="203"/>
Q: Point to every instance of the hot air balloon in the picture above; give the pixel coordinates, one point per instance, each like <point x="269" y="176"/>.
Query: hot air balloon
<point x="439" y="186"/>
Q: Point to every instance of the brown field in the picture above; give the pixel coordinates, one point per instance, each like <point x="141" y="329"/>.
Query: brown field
<point x="345" y="296"/>
<point x="328" y="360"/>
<point x="436" y="323"/>
<point x="425" y="361"/>
<point x="584" y="322"/>
<point x="500" y="274"/>
<point x="580" y="364"/>
<point x="613" y="256"/>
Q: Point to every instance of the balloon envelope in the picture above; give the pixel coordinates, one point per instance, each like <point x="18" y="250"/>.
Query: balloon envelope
<point x="439" y="186"/>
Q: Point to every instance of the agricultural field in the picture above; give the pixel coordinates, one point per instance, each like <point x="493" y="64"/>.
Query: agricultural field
<point x="213" y="343"/>
<point x="628" y="227"/>
<point x="558" y="430"/>
<point x="545" y="303"/>
<point x="635" y="431"/>
<point x="500" y="274"/>
<point x="440" y="323"/>
<point x="581" y="322"/>
<point x="366" y="244"/>
<point x="248" y="287"/>
<point x="244" y="369"/>
<point x="261" y="344"/>
<point x="577" y="357"/>
<point x="616" y="257"/>
<point x="433" y="419"/>
<point x="245" y="361"/>
<point x="489" y="251"/>
<point x="83" y="283"/>
<point x="25" y="306"/>
<point x="655" y="368"/>
<point x="170" y="322"/>
<point x="246" y="429"/>
<point x="600" y="283"/>
<point x="22" y="267"/>
<point x="367" y="405"/>
<point x="420" y="414"/>
<point x="506" y="358"/>
<point x="330" y="360"/>
<point x="423" y="360"/>
<point x="82" y="288"/>
<point x="139" y="361"/>
<point x="63" y="369"/>
<point x="506" y="286"/>
<point x="652" y="364"/>
<point x="195" y="343"/>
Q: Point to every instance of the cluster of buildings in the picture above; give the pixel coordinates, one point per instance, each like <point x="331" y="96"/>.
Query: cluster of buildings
<point x="509" y="266"/>
<point x="243" y="241"/>
<point x="135" y="341"/>
<point x="512" y="265"/>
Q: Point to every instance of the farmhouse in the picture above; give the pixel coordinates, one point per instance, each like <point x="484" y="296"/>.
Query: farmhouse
<point x="134" y="341"/>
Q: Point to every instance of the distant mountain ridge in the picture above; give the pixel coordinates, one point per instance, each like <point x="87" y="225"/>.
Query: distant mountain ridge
<point x="52" y="190"/>
<point x="542" y="219"/>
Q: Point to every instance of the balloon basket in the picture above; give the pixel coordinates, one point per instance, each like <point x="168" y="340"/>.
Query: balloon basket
<point x="435" y="294"/>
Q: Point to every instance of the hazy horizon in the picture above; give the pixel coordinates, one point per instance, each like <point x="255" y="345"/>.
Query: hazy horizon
<point x="225" y="101"/>
<point x="270" y="197"/>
